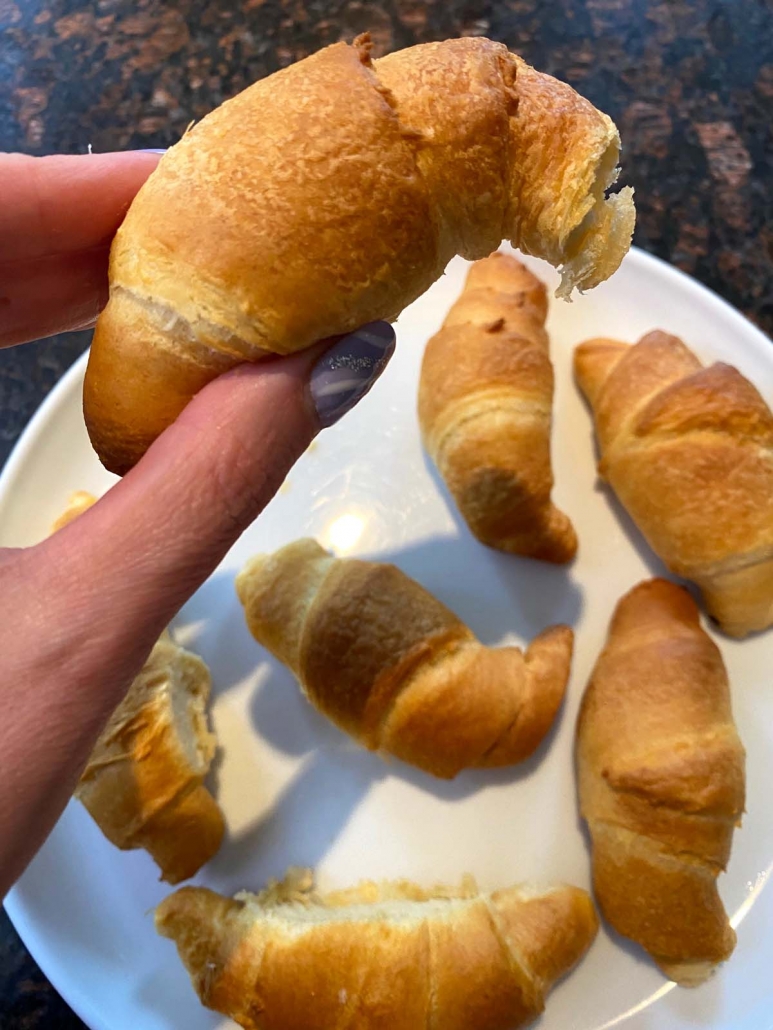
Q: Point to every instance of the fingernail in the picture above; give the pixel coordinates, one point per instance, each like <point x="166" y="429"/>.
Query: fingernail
<point x="147" y="151"/>
<point x="345" y="373"/>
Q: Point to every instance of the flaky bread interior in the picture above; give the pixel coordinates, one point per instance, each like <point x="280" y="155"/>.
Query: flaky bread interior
<point x="78" y="502"/>
<point x="565" y="162"/>
<point x="143" y="783"/>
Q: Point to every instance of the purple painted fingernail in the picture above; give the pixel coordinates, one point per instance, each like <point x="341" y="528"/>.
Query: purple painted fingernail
<point x="148" y="151"/>
<point x="345" y="373"/>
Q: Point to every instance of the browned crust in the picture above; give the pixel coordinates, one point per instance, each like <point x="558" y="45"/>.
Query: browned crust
<point x="394" y="668"/>
<point x="661" y="780"/>
<point x="485" y="964"/>
<point x="349" y="184"/>
<point x="689" y="452"/>
<point x="485" y="409"/>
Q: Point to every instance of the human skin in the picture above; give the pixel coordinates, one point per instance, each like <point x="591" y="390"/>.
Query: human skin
<point x="80" y="611"/>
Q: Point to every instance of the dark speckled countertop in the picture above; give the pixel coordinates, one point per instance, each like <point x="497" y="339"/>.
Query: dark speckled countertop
<point x="689" y="83"/>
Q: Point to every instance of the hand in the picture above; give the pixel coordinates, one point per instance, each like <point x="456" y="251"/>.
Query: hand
<point x="80" y="611"/>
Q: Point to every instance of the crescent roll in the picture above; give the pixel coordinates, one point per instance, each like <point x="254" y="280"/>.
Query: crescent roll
<point x="661" y="781"/>
<point x="689" y="452"/>
<point x="331" y="194"/>
<point x="393" y="667"/>
<point x="386" y="956"/>
<point x="143" y="784"/>
<point x="485" y="408"/>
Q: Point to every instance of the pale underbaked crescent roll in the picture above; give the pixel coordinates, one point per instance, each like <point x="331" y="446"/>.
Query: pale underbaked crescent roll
<point x="387" y="956"/>
<point x="333" y="193"/>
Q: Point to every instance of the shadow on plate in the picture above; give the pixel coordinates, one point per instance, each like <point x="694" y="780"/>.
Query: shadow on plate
<point x="632" y="532"/>
<point x="629" y="527"/>
<point x="281" y="714"/>
<point x="168" y="993"/>
<point x="540" y="594"/>
<point x="313" y="810"/>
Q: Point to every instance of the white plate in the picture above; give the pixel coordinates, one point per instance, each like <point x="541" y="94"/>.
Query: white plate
<point x="296" y="791"/>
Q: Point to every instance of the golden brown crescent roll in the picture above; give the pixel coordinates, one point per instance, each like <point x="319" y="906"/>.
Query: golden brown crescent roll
<point x="661" y="778"/>
<point x="485" y="407"/>
<point x="386" y="956"/>
<point x="689" y="452"/>
<point x="143" y="783"/>
<point x="393" y="667"/>
<point x="331" y="194"/>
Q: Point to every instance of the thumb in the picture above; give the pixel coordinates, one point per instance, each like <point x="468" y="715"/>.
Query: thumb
<point x="132" y="560"/>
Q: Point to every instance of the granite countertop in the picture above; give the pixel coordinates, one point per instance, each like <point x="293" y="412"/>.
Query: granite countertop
<point x="689" y="83"/>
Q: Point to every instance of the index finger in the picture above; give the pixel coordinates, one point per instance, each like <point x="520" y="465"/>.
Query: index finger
<point x="63" y="204"/>
<point x="58" y="216"/>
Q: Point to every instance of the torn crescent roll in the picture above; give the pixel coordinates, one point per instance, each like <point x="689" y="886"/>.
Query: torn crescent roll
<point x="143" y="784"/>
<point x="144" y="781"/>
<point x="387" y="956"/>
<point x="331" y="194"/>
